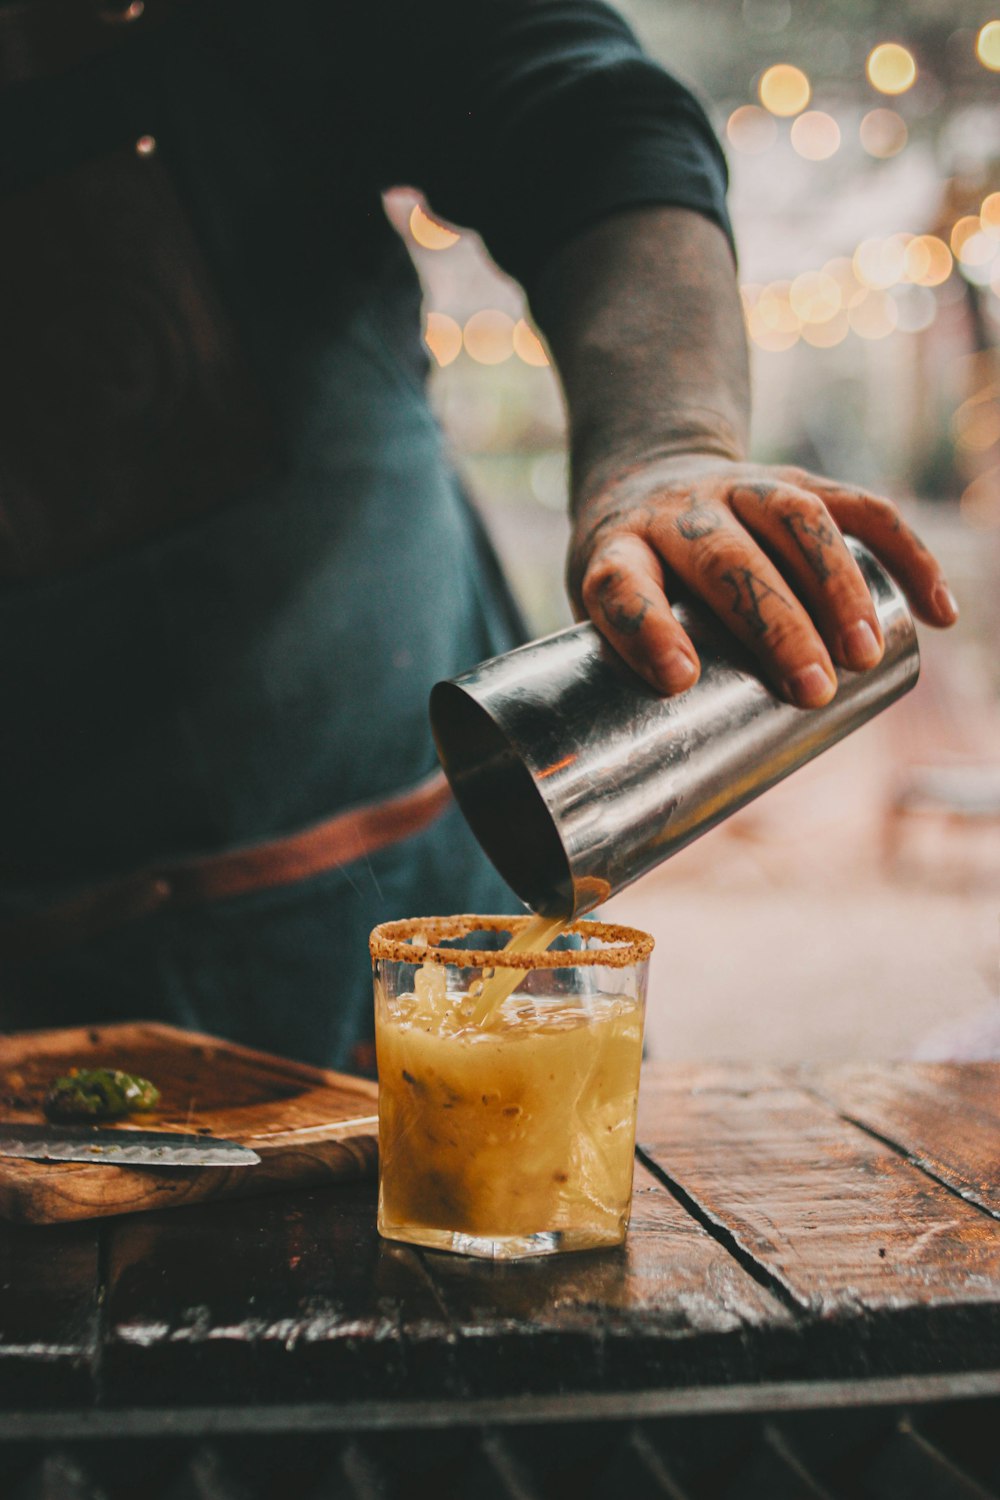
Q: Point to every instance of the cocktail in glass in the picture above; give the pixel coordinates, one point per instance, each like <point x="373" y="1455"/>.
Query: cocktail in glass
<point x="507" y="1125"/>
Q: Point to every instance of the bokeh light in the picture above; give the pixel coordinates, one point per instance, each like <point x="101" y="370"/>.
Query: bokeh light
<point x="784" y="90"/>
<point x="751" y="129"/>
<point x="891" y="68"/>
<point x="827" y="335"/>
<point x="443" y="337"/>
<point x="881" y="263"/>
<point x="774" y="309"/>
<point x="980" y="503"/>
<point x="917" y="308"/>
<point x="841" y="270"/>
<point x="988" y="46"/>
<point x="978" y="249"/>
<point x="814" y="297"/>
<point x="549" y="480"/>
<point x="815" y="135"/>
<point x="429" y="232"/>
<point x="489" y="336"/>
<point x="976" y="423"/>
<point x="872" y="314"/>
<point x="773" y="340"/>
<point x="750" y="292"/>
<point x="883" y="133"/>
<point x="927" y="260"/>
<point x="962" y="231"/>
<point x="528" y="346"/>
<point x="989" y="214"/>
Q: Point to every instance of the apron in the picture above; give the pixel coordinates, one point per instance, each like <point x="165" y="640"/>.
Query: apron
<point x="235" y="560"/>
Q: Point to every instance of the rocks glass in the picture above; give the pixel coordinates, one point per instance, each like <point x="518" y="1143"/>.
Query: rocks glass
<point x="507" y="1125"/>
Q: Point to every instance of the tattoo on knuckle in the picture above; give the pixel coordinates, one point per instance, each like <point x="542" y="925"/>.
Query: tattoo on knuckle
<point x="759" y="491"/>
<point x="697" y="520"/>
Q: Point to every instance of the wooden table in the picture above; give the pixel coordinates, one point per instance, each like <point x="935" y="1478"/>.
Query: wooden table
<point x="794" y="1232"/>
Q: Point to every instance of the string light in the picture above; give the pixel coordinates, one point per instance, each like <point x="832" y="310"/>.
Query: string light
<point x="963" y="232"/>
<point x="784" y="90"/>
<point x="848" y="294"/>
<point x="891" y="68"/>
<point x="815" y="297"/>
<point x="872" y="314"/>
<point x="827" y="335"/>
<point x="443" y="337"/>
<point x="917" y="308"/>
<point x="528" y="346"/>
<point x="489" y="336"/>
<point x="883" y="133"/>
<point x="988" y="46"/>
<point x="815" y="135"/>
<point x="751" y="129"/>
<point x="928" y="261"/>
<point x="429" y="233"/>
<point x="975" y="425"/>
<point x="979" y="505"/>
<point x="880" y="264"/>
<point x="989" y="214"/>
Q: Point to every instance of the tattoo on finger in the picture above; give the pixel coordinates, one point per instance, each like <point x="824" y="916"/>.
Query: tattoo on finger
<point x="749" y="592"/>
<point x="626" y="619"/>
<point x="812" y="540"/>
<point x="697" y="519"/>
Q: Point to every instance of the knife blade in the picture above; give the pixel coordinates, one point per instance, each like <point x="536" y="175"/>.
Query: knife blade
<point x="124" y="1148"/>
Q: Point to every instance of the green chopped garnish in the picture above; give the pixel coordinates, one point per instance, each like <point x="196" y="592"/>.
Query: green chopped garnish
<point x="99" y="1094"/>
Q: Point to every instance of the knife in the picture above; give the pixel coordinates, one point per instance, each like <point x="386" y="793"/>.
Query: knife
<point x="125" y="1148"/>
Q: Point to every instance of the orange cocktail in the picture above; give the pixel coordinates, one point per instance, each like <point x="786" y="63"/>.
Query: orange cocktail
<point x="507" y="1121"/>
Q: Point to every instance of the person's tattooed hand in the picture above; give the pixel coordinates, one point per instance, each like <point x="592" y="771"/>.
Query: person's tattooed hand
<point x="763" y="547"/>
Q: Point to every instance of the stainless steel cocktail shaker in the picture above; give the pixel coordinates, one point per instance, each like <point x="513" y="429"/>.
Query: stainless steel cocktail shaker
<point x="577" y="778"/>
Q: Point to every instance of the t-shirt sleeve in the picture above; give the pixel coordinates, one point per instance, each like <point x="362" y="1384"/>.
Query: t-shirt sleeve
<point x="530" y="120"/>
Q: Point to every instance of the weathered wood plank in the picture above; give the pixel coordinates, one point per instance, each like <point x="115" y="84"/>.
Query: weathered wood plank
<point x="49" y="1307"/>
<point x="669" y="1306"/>
<point x="946" y="1116"/>
<point x="850" y="1231"/>
<point x="284" y="1298"/>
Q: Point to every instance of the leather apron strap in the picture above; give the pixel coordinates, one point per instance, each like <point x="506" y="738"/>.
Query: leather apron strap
<point x="337" y="841"/>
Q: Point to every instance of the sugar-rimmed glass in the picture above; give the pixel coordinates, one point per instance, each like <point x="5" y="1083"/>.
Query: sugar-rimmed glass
<point x="512" y="1133"/>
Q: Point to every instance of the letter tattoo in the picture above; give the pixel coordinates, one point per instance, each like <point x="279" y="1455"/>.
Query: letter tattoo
<point x="811" y="541"/>
<point x="748" y="592"/>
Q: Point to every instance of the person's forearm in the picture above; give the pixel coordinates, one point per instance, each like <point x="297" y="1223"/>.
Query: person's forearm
<point x="643" y="317"/>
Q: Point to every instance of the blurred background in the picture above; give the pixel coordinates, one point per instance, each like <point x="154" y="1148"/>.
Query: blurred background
<point x="855" y="910"/>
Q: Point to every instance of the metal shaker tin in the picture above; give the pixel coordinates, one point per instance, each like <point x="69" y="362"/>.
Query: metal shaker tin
<point x="577" y="778"/>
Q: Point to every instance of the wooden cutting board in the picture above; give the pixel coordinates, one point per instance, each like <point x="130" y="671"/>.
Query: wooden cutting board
<point x="309" y="1126"/>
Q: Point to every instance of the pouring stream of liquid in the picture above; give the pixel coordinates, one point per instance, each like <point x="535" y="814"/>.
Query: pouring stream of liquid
<point x="539" y="934"/>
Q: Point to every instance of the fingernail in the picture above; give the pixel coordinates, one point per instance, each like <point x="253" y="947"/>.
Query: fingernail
<point x="811" y="687"/>
<point x="860" y="646"/>
<point x="678" y="672"/>
<point x="945" y="602"/>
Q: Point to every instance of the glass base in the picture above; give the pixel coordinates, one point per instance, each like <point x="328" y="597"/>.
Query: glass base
<point x="505" y="1246"/>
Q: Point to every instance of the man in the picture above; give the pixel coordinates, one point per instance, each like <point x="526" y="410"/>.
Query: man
<point x="236" y="556"/>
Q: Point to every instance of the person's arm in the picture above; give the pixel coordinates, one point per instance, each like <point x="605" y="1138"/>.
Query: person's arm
<point x="643" y="317"/>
